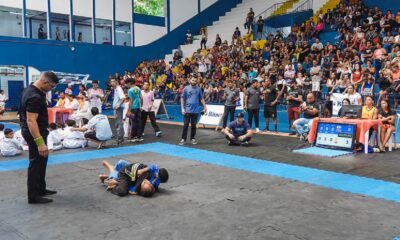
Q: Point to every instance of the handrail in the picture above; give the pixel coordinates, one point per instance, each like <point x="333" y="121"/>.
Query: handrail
<point x="267" y="13"/>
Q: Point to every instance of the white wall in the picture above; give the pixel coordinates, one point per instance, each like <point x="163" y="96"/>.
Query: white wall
<point x="145" y="34"/>
<point x="123" y="10"/>
<point x="317" y="4"/>
<point x="181" y="11"/>
<point x="10" y="25"/>
<point x="60" y="6"/>
<point x="206" y="3"/>
<point x="82" y="8"/>
<point x="104" y="9"/>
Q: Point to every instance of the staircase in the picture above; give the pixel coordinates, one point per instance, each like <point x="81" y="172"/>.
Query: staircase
<point x="330" y="4"/>
<point x="225" y="25"/>
<point x="284" y="7"/>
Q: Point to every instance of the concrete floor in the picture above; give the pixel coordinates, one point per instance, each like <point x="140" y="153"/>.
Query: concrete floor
<point x="203" y="201"/>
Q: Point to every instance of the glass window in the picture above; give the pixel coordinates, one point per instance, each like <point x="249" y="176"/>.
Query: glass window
<point x="37" y="24"/>
<point x="60" y="27"/>
<point x="11" y="22"/>
<point x="103" y="31"/>
<point x="83" y="29"/>
<point x="123" y="33"/>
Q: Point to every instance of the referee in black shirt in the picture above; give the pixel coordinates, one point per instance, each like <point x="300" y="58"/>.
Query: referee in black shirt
<point x="34" y="123"/>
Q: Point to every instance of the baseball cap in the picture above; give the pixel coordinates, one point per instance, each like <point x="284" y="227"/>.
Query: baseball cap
<point x="240" y="115"/>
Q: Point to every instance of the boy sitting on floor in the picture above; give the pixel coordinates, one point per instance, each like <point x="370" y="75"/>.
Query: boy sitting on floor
<point x="54" y="139"/>
<point x="133" y="178"/>
<point x="9" y="147"/>
<point x="18" y="136"/>
<point x="73" y="139"/>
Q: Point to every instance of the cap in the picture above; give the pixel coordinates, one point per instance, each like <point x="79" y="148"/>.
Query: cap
<point x="240" y="115"/>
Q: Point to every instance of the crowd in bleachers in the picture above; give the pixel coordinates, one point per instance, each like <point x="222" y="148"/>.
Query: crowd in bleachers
<point x="363" y="60"/>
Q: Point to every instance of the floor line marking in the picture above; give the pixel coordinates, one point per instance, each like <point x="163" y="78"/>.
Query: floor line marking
<point x="323" y="178"/>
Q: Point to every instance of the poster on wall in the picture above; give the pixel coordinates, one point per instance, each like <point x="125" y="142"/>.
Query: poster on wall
<point x="149" y="7"/>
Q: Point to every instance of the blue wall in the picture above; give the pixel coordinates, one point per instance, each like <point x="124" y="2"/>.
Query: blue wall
<point x="393" y="5"/>
<point x="101" y="60"/>
<point x="286" y="20"/>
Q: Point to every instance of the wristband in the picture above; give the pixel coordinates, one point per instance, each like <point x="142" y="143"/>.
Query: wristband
<point x="39" y="141"/>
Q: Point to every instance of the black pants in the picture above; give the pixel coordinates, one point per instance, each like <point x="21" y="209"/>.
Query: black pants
<point x="136" y="123"/>
<point x="228" y="110"/>
<point x="236" y="141"/>
<point x="124" y="182"/>
<point x="203" y="43"/>
<point x="152" y="116"/>
<point x="254" y="113"/>
<point x="37" y="167"/>
<point x="192" y="118"/>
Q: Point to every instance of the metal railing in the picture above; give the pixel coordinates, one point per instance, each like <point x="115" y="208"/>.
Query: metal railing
<point x="267" y="13"/>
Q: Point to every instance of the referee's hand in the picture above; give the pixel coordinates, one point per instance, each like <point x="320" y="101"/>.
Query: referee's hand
<point x="43" y="151"/>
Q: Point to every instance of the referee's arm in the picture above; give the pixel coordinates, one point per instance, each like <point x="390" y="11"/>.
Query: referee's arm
<point x="34" y="130"/>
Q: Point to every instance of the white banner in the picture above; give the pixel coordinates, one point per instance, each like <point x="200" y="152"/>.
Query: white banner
<point x="240" y="103"/>
<point x="213" y="116"/>
<point x="159" y="107"/>
<point x="337" y="99"/>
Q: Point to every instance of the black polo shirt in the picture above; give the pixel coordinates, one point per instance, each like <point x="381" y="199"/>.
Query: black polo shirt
<point x="34" y="101"/>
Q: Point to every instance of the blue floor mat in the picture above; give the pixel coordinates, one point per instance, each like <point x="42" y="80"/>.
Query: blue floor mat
<point x="324" y="152"/>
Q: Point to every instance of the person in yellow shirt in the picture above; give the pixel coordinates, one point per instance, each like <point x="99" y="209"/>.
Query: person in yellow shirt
<point x="369" y="111"/>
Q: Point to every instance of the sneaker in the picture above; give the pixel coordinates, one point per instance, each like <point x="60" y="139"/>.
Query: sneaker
<point x="193" y="141"/>
<point x="100" y="146"/>
<point x="257" y="130"/>
<point x="266" y="130"/>
<point x="158" y="134"/>
<point x="230" y="143"/>
<point x="246" y="143"/>
<point x="135" y="139"/>
<point x="182" y="142"/>
<point x="141" y="139"/>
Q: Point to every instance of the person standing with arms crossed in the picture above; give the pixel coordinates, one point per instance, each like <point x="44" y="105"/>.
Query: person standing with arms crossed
<point x="34" y="128"/>
<point x="119" y="98"/>
<point x="231" y="96"/>
<point x="252" y="103"/>
<point x="135" y="110"/>
<point x="191" y="97"/>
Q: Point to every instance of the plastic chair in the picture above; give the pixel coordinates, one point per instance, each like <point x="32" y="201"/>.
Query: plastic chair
<point x="393" y="137"/>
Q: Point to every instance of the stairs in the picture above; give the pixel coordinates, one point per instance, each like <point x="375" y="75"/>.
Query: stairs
<point x="282" y="9"/>
<point x="330" y="4"/>
<point x="225" y="25"/>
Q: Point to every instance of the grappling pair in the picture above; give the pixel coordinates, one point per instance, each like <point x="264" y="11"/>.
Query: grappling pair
<point x="133" y="178"/>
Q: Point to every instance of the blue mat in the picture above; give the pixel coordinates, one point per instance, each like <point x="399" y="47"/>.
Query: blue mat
<point x="13" y="126"/>
<point x="322" y="152"/>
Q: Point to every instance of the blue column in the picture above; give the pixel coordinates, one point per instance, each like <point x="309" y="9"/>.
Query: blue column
<point x="71" y="21"/>
<point x="168" y="16"/>
<point x="133" y="25"/>
<point x="48" y="19"/>
<point x="198" y="6"/>
<point x="26" y="75"/>
<point x="113" y="33"/>
<point x="94" y="22"/>
<point x="24" y="31"/>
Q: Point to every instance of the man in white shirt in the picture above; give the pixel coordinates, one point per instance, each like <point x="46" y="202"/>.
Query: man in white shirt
<point x="84" y="108"/>
<point x="95" y="95"/>
<point x="118" y="107"/>
<point x="147" y="109"/>
<point x="3" y="100"/>
<point x="98" y="128"/>
<point x="9" y="147"/>
<point x="73" y="103"/>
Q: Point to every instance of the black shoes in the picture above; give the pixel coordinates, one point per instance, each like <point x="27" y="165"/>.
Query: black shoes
<point x="48" y="192"/>
<point x="39" y="200"/>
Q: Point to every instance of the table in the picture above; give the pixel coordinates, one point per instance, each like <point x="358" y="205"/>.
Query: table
<point x="62" y="113"/>
<point x="362" y="134"/>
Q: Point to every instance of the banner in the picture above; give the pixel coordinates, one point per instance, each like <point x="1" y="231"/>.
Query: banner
<point x="213" y="116"/>
<point x="240" y="103"/>
<point x="159" y="108"/>
<point x="337" y="99"/>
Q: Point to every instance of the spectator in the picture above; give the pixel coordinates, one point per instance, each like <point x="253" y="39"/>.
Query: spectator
<point x="231" y="96"/>
<point x="252" y="103"/>
<point x="95" y="95"/>
<point x="238" y="132"/>
<point x="294" y="98"/>
<point x="388" y="119"/>
<point x="41" y="33"/>
<point x="310" y="110"/>
<point x="260" y="28"/>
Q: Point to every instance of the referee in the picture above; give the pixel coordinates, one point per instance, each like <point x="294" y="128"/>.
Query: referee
<point x="34" y="123"/>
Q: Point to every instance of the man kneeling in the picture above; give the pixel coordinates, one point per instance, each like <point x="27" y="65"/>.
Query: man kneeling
<point x="238" y="132"/>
